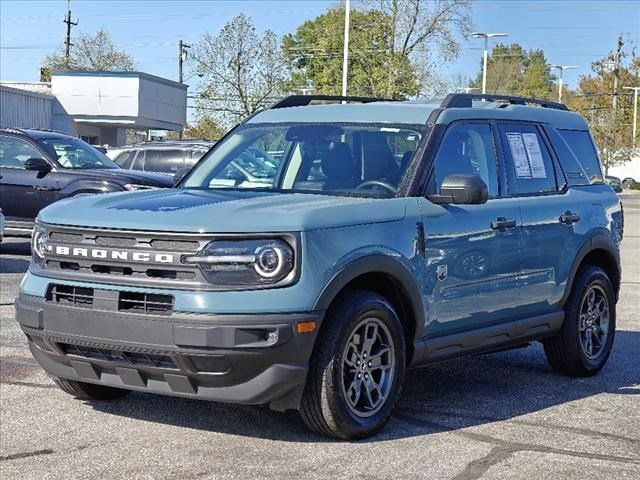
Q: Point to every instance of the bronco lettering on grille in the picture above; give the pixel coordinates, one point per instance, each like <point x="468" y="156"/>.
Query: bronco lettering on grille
<point x="112" y="254"/>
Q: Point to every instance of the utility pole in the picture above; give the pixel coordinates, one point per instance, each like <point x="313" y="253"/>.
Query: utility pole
<point x="635" y="112"/>
<point x="67" y="42"/>
<point x="345" y="49"/>
<point x="616" y="72"/>
<point x="562" y="68"/>
<point x="182" y="56"/>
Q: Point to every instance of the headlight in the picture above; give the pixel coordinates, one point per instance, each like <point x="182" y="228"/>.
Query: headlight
<point x="39" y="242"/>
<point x="246" y="262"/>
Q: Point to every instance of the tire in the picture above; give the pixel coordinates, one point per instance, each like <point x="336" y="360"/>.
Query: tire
<point x="567" y="351"/>
<point x="336" y="402"/>
<point x="89" y="391"/>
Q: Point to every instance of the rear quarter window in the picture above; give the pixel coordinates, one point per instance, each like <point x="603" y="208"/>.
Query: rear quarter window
<point x="585" y="151"/>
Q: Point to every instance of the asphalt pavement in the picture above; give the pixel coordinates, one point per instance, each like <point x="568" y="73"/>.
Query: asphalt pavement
<point x="499" y="416"/>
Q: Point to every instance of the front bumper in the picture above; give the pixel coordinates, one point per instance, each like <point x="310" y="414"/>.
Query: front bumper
<point x="250" y="359"/>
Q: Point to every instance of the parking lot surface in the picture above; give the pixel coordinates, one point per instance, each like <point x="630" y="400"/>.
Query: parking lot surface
<point x="497" y="416"/>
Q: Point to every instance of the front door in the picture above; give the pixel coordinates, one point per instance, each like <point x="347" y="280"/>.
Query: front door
<point x="473" y="250"/>
<point x="23" y="193"/>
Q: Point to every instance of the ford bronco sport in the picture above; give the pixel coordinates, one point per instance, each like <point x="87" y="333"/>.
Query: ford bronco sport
<point x="391" y="235"/>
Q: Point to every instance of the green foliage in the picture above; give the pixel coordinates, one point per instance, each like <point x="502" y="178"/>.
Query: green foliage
<point x="89" y="52"/>
<point x="314" y="54"/>
<point x="206" y="127"/>
<point x="512" y="70"/>
<point x="241" y="71"/>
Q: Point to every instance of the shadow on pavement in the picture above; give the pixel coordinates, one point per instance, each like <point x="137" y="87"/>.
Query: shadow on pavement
<point x="447" y="396"/>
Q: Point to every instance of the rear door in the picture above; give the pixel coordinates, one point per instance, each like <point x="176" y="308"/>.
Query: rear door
<point x="472" y="250"/>
<point x="163" y="161"/>
<point x="548" y="213"/>
<point x="23" y="193"/>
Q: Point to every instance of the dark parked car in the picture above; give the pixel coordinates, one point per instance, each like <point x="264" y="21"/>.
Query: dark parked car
<point x="614" y="182"/>
<point x="161" y="157"/>
<point x="39" y="167"/>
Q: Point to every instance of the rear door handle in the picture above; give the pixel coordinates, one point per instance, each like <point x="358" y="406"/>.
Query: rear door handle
<point x="502" y="222"/>
<point x="569" y="217"/>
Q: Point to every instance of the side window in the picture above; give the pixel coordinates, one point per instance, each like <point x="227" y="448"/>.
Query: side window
<point x="530" y="167"/>
<point x="467" y="149"/>
<point x="125" y="158"/>
<point x="582" y="146"/>
<point x="165" y="161"/>
<point x="14" y="152"/>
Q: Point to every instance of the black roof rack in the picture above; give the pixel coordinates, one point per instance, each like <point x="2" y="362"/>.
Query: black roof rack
<point x="302" y="100"/>
<point x="464" y="100"/>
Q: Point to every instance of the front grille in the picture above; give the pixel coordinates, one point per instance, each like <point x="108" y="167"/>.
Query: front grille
<point x="116" y="251"/>
<point x="145" y="303"/>
<point x="71" y="295"/>
<point x="129" y="357"/>
<point x="131" y="302"/>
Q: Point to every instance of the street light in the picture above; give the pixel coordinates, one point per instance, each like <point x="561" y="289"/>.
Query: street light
<point x="486" y="37"/>
<point x="635" y="112"/>
<point x="562" y="68"/>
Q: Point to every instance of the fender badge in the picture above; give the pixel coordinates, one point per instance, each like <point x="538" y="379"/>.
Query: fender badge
<point x="441" y="272"/>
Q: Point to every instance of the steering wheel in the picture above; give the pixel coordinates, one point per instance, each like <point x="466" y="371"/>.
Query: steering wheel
<point x="377" y="183"/>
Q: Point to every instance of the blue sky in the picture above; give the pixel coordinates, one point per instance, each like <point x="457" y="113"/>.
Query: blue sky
<point x="570" y="32"/>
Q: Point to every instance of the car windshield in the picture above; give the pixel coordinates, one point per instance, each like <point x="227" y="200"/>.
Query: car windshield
<point x="337" y="159"/>
<point x="74" y="153"/>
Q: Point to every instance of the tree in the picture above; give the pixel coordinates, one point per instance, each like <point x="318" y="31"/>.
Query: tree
<point x="427" y="32"/>
<point x="314" y="54"/>
<point x="206" y="127"/>
<point x="89" y="52"/>
<point x="612" y="129"/>
<point x="512" y="70"/>
<point x="393" y="45"/>
<point x="241" y="70"/>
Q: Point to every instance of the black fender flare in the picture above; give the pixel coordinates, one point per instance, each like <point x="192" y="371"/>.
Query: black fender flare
<point x="375" y="263"/>
<point x="599" y="241"/>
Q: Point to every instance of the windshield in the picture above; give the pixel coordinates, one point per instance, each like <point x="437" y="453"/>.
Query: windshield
<point x="74" y="153"/>
<point x="338" y="159"/>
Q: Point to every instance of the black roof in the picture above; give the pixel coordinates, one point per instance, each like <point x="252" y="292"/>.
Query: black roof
<point x="36" y="134"/>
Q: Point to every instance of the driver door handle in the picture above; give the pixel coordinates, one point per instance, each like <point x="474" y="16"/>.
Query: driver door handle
<point x="569" y="217"/>
<point x="502" y="222"/>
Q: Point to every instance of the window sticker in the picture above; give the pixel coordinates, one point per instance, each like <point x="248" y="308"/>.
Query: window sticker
<point x="519" y="155"/>
<point x="534" y="153"/>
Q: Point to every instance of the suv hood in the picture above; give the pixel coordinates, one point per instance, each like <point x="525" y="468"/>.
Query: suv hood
<point x="126" y="176"/>
<point x="220" y="211"/>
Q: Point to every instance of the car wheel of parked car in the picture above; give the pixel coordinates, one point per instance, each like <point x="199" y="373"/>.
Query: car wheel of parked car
<point x="89" y="391"/>
<point x="583" y="345"/>
<point x="357" y="368"/>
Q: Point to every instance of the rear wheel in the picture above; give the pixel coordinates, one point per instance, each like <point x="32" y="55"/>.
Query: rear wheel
<point x="89" y="391"/>
<point x="357" y="368"/>
<point x="584" y="344"/>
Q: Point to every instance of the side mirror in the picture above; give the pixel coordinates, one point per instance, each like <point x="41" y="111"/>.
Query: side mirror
<point x="180" y="174"/>
<point x="461" y="189"/>
<point x="38" y="164"/>
<point x="236" y="176"/>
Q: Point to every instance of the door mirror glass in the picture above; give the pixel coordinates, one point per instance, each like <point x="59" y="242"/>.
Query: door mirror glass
<point x="461" y="189"/>
<point x="38" y="164"/>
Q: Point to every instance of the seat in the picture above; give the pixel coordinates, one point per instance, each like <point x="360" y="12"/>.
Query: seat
<point x="338" y="166"/>
<point x="378" y="162"/>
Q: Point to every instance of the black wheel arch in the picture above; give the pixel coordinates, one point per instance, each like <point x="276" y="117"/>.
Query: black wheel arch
<point x="600" y="251"/>
<point x="387" y="276"/>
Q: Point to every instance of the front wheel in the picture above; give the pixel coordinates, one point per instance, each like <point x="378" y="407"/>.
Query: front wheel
<point x="584" y="343"/>
<point x="357" y="368"/>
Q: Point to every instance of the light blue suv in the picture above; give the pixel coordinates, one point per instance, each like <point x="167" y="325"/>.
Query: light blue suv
<point x="389" y="235"/>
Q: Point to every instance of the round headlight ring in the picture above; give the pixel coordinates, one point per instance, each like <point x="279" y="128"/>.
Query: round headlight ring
<point x="38" y="242"/>
<point x="265" y="258"/>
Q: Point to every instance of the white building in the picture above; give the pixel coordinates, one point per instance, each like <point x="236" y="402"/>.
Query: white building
<point x="96" y="106"/>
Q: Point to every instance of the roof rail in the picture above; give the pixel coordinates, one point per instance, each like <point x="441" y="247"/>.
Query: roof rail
<point x="302" y="100"/>
<point x="464" y="100"/>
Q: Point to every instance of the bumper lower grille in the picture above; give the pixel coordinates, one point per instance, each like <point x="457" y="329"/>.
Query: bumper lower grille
<point x="119" y="356"/>
<point x="131" y="302"/>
